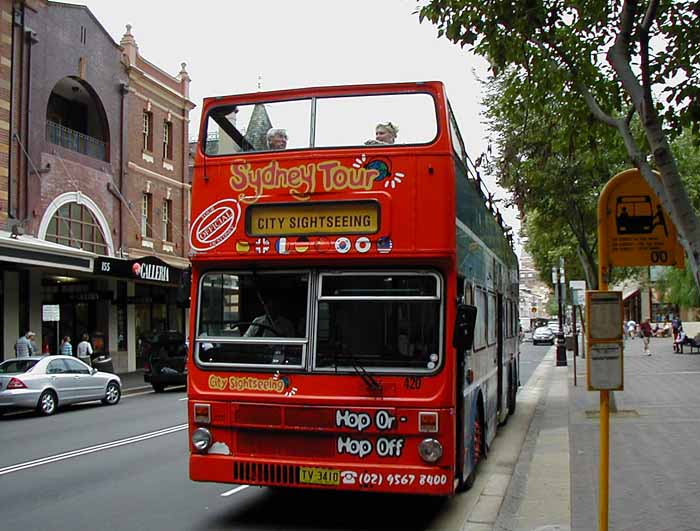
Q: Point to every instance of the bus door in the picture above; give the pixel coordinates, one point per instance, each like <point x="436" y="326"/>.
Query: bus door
<point x="499" y="350"/>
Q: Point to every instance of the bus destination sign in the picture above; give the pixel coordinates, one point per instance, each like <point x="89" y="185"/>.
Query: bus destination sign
<point x="346" y="217"/>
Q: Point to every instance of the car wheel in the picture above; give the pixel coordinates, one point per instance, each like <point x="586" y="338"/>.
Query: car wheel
<point x="112" y="395"/>
<point x="158" y="388"/>
<point x="48" y="403"/>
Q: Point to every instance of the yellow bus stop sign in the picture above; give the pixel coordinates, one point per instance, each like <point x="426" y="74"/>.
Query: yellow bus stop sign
<point x="637" y="230"/>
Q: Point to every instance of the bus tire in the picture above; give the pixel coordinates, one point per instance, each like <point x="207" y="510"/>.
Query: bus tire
<point x="512" y="391"/>
<point x="478" y="442"/>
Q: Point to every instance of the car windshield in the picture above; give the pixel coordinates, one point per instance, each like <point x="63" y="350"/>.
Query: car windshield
<point x="16" y="366"/>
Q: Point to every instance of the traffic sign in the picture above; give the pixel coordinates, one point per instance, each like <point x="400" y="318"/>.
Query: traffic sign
<point x="638" y="231"/>
<point x="51" y="312"/>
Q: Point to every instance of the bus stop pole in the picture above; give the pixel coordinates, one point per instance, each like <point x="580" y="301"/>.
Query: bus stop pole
<point x="603" y="273"/>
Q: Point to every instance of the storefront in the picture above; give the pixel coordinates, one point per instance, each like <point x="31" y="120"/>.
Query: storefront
<point x="56" y="291"/>
<point x="151" y="296"/>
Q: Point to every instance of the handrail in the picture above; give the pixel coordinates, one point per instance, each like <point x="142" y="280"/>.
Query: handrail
<point x="75" y="141"/>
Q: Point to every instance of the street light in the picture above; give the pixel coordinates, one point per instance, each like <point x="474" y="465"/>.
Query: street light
<point x="561" y="343"/>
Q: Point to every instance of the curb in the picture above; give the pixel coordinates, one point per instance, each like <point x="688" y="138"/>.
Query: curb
<point x="134" y="390"/>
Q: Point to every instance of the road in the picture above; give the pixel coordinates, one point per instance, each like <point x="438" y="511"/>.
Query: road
<point x="125" y="467"/>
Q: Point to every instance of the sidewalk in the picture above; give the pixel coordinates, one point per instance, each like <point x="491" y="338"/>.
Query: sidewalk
<point x="132" y="382"/>
<point x="654" y="442"/>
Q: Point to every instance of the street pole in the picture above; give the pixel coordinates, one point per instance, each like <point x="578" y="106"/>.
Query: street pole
<point x="561" y="345"/>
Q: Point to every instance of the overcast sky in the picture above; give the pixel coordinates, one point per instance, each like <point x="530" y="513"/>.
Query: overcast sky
<point x="227" y="45"/>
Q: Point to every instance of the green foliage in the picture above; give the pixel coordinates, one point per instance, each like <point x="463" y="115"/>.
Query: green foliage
<point x="554" y="159"/>
<point x="563" y="43"/>
<point x="554" y="70"/>
<point x="678" y="286"/>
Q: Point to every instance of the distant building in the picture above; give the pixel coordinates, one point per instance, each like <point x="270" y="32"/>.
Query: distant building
<point x="91" y="222"/>
<point x="534" y="293"/>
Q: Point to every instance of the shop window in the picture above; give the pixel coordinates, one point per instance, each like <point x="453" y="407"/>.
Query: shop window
<point x="122" y="327"/>
<point x="167" y="140"/>
<point x="167" y="220"/>
<point x="147" y="131"/>
<point x="75" y="226"/>
<point x="146" y="215"/>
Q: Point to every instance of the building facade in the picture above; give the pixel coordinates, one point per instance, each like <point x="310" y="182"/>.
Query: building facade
<point x="72" y="254"/>
<point x="534" y="294"/>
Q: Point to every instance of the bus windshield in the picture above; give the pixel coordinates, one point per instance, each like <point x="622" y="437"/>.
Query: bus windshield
<point x="320" y="122"/>
<point x="376" y="320"/>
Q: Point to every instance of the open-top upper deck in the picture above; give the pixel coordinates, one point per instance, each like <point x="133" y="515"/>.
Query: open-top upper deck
<point x="333" y="189"/>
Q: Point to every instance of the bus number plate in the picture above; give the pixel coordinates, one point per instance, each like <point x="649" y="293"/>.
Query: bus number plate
<point x="319" y="476"/>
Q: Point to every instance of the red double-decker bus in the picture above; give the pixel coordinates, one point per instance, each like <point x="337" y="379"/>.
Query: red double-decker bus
<point x="354" y="298"/>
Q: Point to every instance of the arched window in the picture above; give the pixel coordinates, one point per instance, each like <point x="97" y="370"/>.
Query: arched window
<point x="74" y="225"/>
<point x="75" y="119"/>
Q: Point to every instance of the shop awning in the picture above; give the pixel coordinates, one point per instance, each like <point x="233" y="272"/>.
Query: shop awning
<point x="27" y="249"/>
<point x="628" y="293"/>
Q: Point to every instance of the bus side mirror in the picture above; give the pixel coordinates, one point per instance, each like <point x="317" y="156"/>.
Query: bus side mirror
<point x="465" y="321"/>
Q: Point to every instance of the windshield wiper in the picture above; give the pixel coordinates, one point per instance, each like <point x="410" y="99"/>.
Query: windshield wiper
<point x="370" y="381"/>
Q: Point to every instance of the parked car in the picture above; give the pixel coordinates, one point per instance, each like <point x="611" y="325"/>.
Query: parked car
<point x="45" y="383"/>
<point x="543" y="335"/>
<point x="165" y="359"/>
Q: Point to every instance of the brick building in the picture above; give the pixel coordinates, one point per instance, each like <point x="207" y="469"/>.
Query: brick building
<point x="92" y="222"/>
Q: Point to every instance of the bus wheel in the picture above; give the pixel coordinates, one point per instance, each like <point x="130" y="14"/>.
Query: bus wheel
<point x="512" y="392"/>
<point x="476" y="456"/>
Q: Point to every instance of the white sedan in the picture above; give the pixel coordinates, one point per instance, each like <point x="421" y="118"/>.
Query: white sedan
<point x="46" y="382"/>
<point x="543" y="335"/>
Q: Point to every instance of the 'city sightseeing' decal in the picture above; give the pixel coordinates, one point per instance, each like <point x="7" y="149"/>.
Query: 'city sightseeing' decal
<point x="275" y="384"/>
<point x="245" y="383"/>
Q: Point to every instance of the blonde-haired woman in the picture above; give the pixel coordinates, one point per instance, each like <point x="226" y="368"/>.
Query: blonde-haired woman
<point x="385" y="133"/>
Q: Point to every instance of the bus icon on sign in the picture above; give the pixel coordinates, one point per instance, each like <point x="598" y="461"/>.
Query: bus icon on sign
<point x="634" y="214"/>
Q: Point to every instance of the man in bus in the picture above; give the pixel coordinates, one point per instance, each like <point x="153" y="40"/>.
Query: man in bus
<point x="277" y="138"/>
<point x="272" y="322"/>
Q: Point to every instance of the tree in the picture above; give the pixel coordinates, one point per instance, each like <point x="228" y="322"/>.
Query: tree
<point x="624" y="59"/>
<point x="555" y="159"/>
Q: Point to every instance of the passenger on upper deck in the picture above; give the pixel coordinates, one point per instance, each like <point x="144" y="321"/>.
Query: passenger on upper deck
<point x="277" y="138"/>
<point x="385" y="133"/>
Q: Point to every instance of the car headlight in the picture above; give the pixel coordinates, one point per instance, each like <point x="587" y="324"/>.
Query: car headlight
<point x="430" y="450"/>
<point x="201" y="439"/>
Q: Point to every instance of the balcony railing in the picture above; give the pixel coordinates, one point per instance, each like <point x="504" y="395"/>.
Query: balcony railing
<point x="68" y="138"/>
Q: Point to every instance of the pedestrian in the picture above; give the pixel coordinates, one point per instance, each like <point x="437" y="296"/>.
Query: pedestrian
<point x="676" y="325"/>
<point x="631" y="327"/>
<point x="25" y="345"/>
<point x="679" y="339"/>
<point x="84" y="350"/>
<point x="66" y="347"/>
<point x="645" y="329"/>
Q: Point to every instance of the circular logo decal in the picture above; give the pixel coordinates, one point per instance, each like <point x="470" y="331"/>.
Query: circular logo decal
<point x="380" y="166"/>
<point x="215" y="225"/>
<point x="342" y="245"/>
<point x="362" y="245"/>
<point x="136" y="268"/>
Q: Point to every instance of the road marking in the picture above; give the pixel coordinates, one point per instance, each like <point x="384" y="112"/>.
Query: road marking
<point x="234" y="491"/>
<point x="184" y="398"/>
<point x="91" y="449"/>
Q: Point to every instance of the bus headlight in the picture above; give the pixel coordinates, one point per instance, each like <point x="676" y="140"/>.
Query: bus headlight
<point x="201" y="439"/>
<point x="430" y="450"/>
